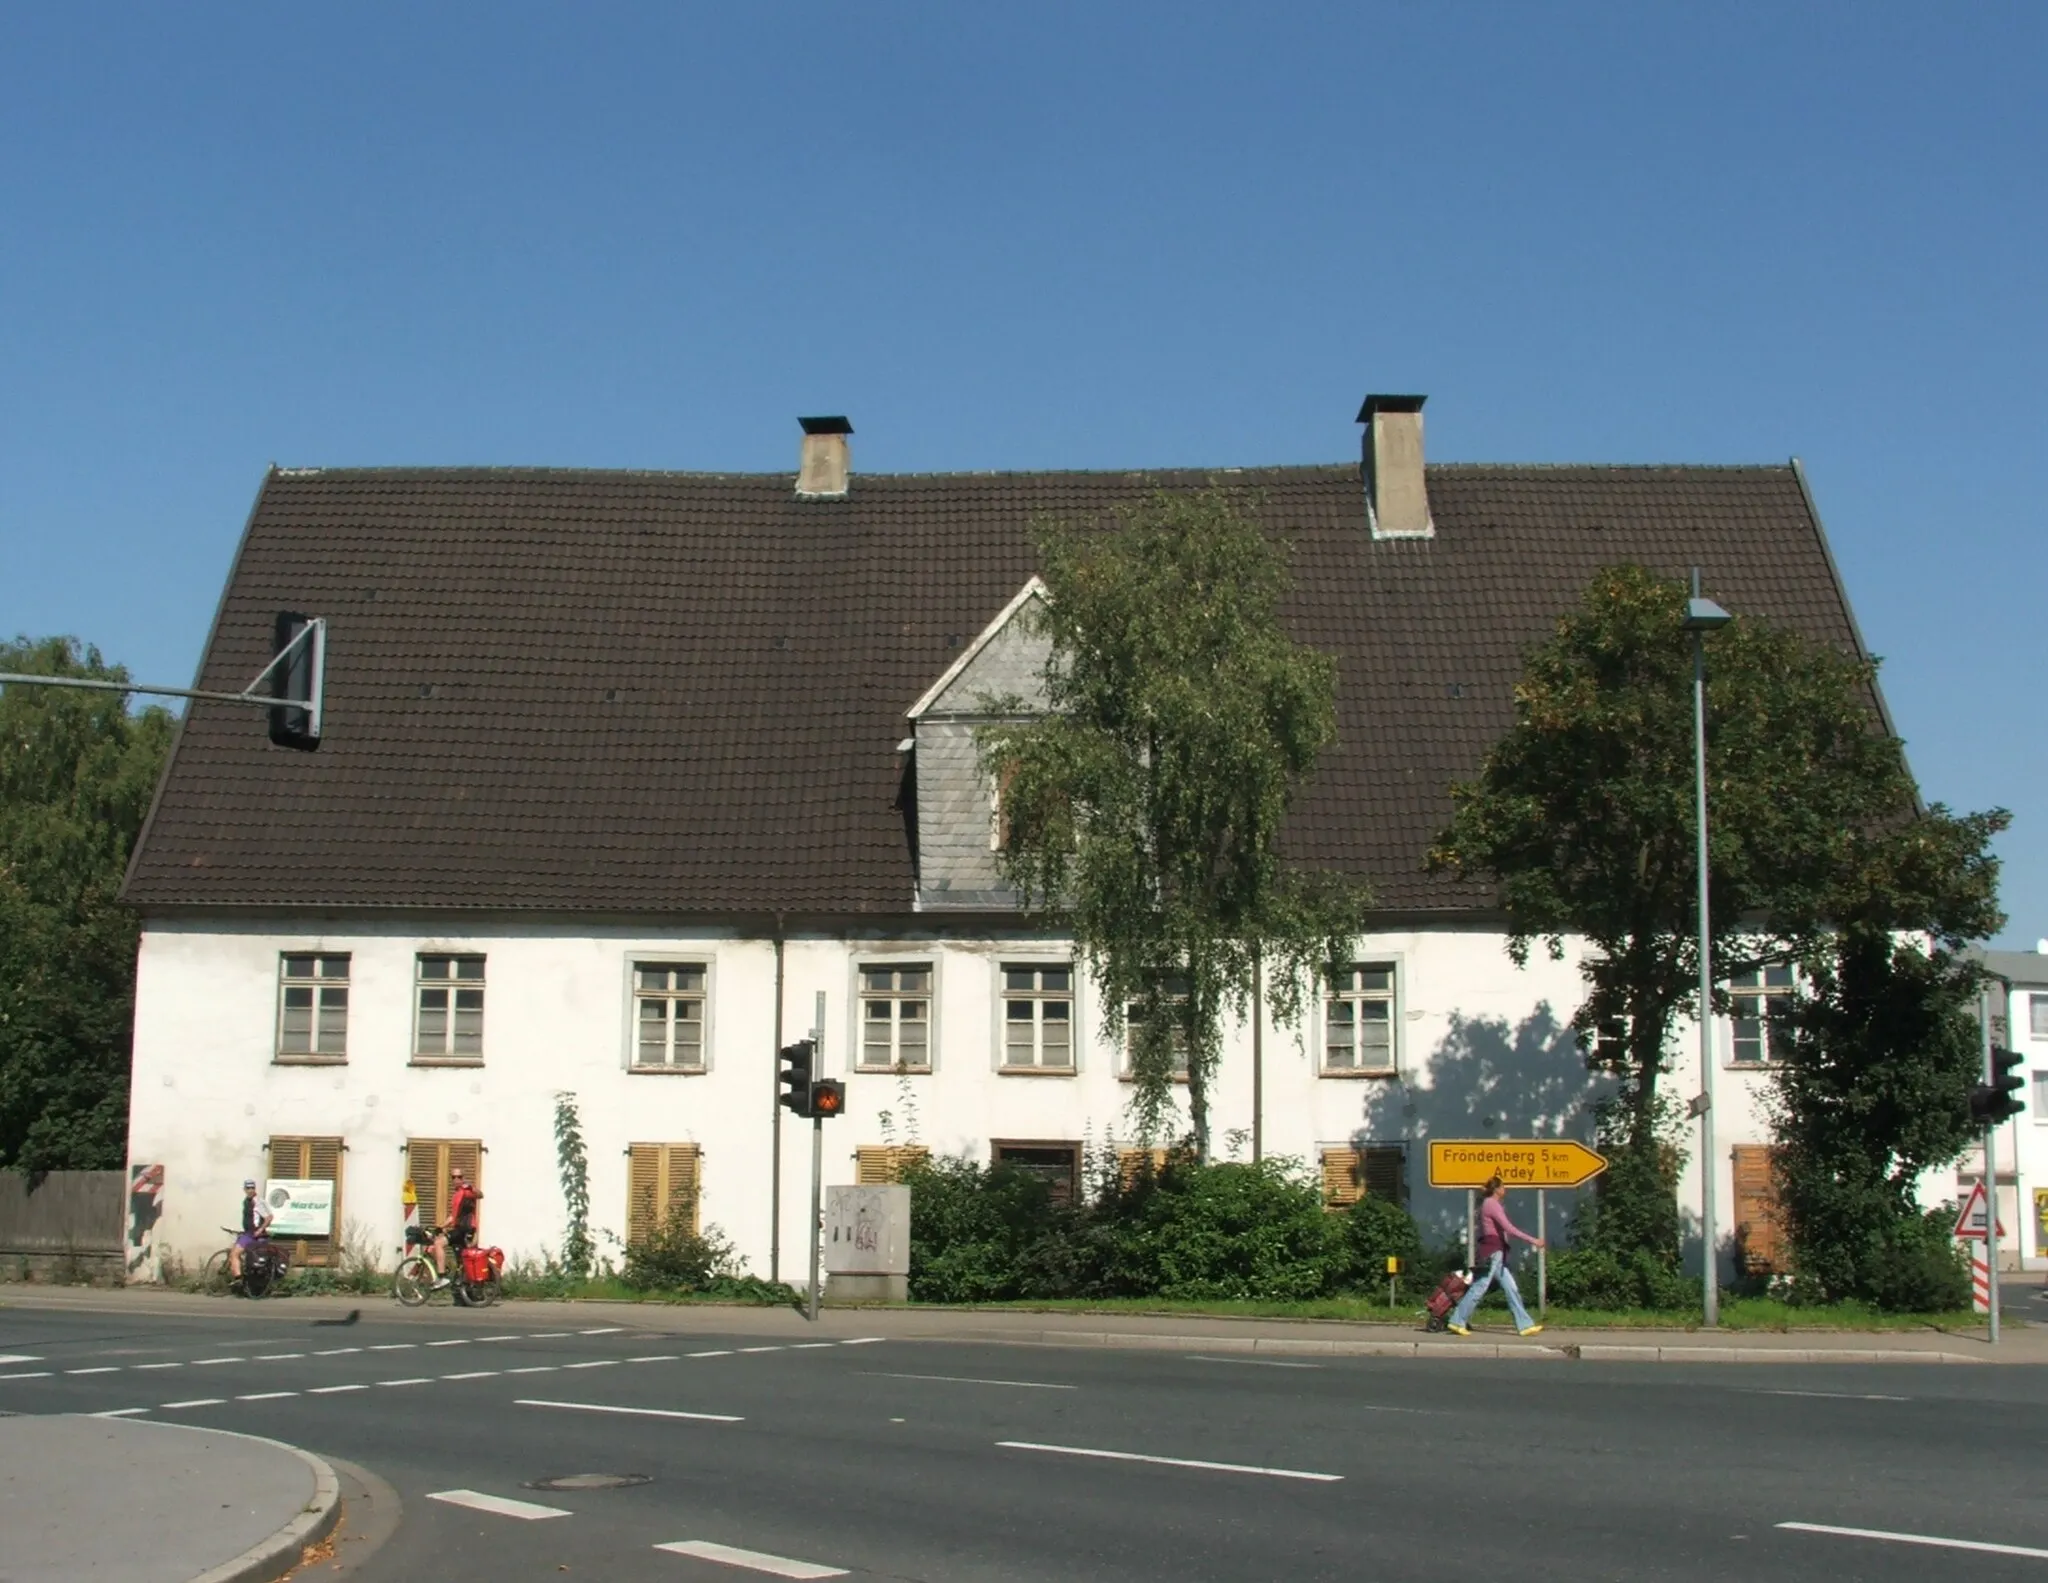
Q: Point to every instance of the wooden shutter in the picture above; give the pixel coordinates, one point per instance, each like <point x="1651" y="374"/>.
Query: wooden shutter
<point x="312" y="1160"/>
<point x="878" y="1165"/>
<point x="1343" y="1178"/>
<point x="661" y="1179"/>
<point x="1759" y="1236"/>
<point x="427" y="1164"/>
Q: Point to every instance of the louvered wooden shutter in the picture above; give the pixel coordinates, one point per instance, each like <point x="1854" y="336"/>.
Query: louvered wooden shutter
<point x="879" y="1165"/>
<point x="1131" y="1164"/>
<point x="1343" y="1178"/>
<point x="662" y="1179"/>
<point x="428" y="1162"/>
<point x="1759" y="1239"/>
<point x="311" y="1160"/>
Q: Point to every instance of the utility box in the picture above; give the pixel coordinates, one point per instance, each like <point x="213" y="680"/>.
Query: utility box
<point x="867" y="1244"/>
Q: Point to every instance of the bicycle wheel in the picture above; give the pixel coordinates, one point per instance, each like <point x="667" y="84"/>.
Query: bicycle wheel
<point x="213" y="1277"/>
<point x="413" y="1282"/>
<point x="478" y="1294"/>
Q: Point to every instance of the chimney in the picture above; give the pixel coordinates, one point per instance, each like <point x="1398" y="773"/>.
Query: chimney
<point x="821" y="472"/>
<point x="1396" y="498"/>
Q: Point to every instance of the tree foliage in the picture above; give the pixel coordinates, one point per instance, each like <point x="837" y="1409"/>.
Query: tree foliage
<point x="1871" y="1088"/>
<point x="1582" y="816"/>
<point x="1144" y="809"/>
<point x="77" y="771"/>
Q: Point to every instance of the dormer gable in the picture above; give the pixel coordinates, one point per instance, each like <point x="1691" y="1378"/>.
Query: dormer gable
<point x="1007" y="660"/>
<point x="958" y="821"/>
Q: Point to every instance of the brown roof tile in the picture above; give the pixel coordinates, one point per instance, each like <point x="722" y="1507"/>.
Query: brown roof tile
<point x="681" y="693"/>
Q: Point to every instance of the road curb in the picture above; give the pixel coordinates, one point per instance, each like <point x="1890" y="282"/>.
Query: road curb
<point x="1526" y="1352"/>
<point x="269" y="1559"/>
<point x="1620" y="1352"/>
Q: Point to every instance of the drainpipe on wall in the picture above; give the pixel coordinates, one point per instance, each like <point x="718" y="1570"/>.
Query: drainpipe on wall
<point x="775" y="1121"/>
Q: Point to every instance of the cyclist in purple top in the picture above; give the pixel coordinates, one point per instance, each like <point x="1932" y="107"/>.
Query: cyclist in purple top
<point x="1496" y="1232"/>
<point x="255" y="1226"/>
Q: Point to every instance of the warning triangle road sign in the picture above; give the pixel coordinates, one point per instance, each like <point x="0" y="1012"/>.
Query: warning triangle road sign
<point x="1970" y="1223"/>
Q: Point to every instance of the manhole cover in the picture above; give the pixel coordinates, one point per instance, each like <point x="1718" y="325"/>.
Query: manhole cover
<point x="590" y="1481"/>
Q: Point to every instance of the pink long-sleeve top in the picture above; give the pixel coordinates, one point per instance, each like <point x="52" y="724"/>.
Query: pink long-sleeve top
<point x="1496" y="1230"/>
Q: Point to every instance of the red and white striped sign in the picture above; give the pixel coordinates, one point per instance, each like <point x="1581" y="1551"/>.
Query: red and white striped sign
<point x="1980" y="1283"/>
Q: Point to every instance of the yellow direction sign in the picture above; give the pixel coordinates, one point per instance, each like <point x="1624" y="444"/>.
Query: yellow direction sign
<point x="1519" y="1162"/>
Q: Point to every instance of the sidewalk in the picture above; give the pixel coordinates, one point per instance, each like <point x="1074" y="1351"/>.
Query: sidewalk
<point x="84" y="1498"/>
<point x="1173" y="1332"/>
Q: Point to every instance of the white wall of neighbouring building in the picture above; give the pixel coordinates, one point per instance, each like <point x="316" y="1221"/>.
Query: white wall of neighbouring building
<point x="1483" y="1046"/>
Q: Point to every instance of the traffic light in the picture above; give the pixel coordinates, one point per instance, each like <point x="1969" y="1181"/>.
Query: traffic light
<point x="795" y="1075"/>
<point x="1998" y="1100"/>
<point x="298" y="678"/>
<point x="828" y="1098"/>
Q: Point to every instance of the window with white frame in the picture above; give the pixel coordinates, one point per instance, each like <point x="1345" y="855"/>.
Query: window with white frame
<point x="2041" y="1096"/>
<point x="1038" y="1017"/>
<point x="896" y="1015"/>
<point x="2037" y="1014"/>
<point x="1759" y="999"/>
<point x="450" y="1021"/>
<point x="1358" y="1020"/>
<point x="668" y="1016"/>
<point x="312" y="1008"/>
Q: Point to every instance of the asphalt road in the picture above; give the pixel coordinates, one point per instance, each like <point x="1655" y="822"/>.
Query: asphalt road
<point x="960" y="1461"/>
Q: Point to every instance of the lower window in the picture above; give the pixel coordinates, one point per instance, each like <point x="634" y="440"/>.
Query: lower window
<point x="663" y="1181"/>
<point x="1352" y="1172"/>
<point x="303" y="1195"/>
<point x="429" y="1163"/>
<point x="1057" y="1164"/>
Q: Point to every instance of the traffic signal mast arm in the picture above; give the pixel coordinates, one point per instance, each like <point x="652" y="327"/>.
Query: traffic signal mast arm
<point x="297" y="689"/>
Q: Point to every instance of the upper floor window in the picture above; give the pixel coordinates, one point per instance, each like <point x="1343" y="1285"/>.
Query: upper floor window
<point x="1038" y="1017"/>
<point x="2037" y="1012"/>
<point x="1759" y="998"/>
<point x="896" y="1016"/>
<point x="312" y="1016"/>
<point x="1134" y="1026"/>
<point x="668" y="1016"/>
<point x="1358" y="1020"/>
<point x="450" y="1023"/>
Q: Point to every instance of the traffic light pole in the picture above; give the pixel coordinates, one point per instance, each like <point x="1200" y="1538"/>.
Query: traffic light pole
<point x="817" y="1158"/>
<point x="1990" y="1177"/>
<point x="817" y="1178"/>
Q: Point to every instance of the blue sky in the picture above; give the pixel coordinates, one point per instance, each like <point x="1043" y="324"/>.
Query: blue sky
<point x="1046" y="236"/>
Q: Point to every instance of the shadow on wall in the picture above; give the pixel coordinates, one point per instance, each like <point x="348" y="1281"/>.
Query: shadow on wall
<point x="1487" y="1080"/>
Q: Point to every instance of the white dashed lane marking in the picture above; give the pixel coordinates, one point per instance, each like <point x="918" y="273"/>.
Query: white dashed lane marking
<point x="108" y="1368"/>
<point x="265" y="1396"/>
<point x="474" y="1374"/>
<point x="1931" y="1540"/>
<point x="498" y="1505"/>
<point x="39" y="1374"/>
<point x="19" y="1357"/>
<point x="1173" y="1462"/>
<point x="632" y="1412"/>
<point x="197" y="1401"/>
<point x="752" y="1560"/>
<point x="334" y="1390"/>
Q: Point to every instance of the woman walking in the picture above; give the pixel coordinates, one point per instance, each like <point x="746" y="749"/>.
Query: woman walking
<point x="1496" y="1231"/>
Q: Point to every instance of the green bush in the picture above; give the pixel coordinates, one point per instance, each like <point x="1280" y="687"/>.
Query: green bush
<point x="1378" y="1229"/>
<point x="981" y="1234"/>
<point x="1917" y="1267"/>
<point x="1224" y="1231"/>
<point x="679" y="1257"/>
<point x="1607" y="1278"/>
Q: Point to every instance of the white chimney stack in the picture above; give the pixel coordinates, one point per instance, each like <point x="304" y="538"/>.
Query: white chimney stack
<point x="1396" y="498"/>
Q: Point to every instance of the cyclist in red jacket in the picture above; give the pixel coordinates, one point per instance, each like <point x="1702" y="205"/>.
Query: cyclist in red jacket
<point x="460" y="1230"/>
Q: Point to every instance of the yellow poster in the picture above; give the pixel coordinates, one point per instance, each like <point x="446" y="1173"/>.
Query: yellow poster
<point x="2041" y="1220"/>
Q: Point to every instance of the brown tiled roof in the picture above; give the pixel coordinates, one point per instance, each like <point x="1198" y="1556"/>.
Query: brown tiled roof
<point x="678" y="693"/>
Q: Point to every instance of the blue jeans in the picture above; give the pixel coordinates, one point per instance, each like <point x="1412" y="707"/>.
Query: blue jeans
<point x="1496" y="1270"/>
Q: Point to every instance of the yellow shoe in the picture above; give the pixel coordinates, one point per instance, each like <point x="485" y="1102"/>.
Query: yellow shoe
<point x="1457" y="1330"/>
<point x="1531" y="1331"/>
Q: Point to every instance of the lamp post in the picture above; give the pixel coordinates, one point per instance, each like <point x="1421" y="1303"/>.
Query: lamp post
<point x="1701" y="617"/>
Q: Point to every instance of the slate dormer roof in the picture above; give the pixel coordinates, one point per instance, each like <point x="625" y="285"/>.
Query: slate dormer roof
<point x="682" y="693"/>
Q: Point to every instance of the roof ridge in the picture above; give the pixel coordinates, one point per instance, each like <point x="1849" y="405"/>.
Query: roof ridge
<point x="488" y="470"/>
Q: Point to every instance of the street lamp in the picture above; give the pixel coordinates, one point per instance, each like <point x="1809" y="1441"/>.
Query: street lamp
<point x="1701" y="617"/>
